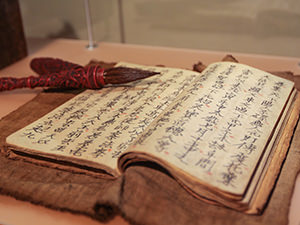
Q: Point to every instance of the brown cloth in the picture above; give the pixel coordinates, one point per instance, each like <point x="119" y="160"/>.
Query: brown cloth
<point x="144" y="194"/>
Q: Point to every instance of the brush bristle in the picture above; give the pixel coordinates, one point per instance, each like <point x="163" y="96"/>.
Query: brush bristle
<point x="120" y="75"/>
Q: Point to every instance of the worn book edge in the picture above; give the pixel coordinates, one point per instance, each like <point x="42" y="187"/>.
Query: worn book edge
<point x="277" y="160"/>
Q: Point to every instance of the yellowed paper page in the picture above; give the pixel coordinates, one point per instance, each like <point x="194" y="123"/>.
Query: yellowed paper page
<point x="218" y="128"/>
<point x="98" y="125"/>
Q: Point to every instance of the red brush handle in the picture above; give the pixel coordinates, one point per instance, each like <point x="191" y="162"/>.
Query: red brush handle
<point x="90" y="77"/>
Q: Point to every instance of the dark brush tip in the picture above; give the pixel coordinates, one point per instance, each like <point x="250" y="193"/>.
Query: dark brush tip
<point x="121" y="75"/>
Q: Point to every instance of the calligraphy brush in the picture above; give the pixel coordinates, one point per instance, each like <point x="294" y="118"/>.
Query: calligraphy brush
<point x="58" y="73"/>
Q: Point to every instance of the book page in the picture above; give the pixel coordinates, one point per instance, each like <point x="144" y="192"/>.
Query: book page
<point x="98" y="125"/>
<point x="217" y="129"/>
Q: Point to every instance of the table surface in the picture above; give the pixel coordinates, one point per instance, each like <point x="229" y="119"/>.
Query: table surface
<point x="76" y="51"/>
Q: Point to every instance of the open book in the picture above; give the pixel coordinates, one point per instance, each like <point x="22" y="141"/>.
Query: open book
<point x="219" y="132"/>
